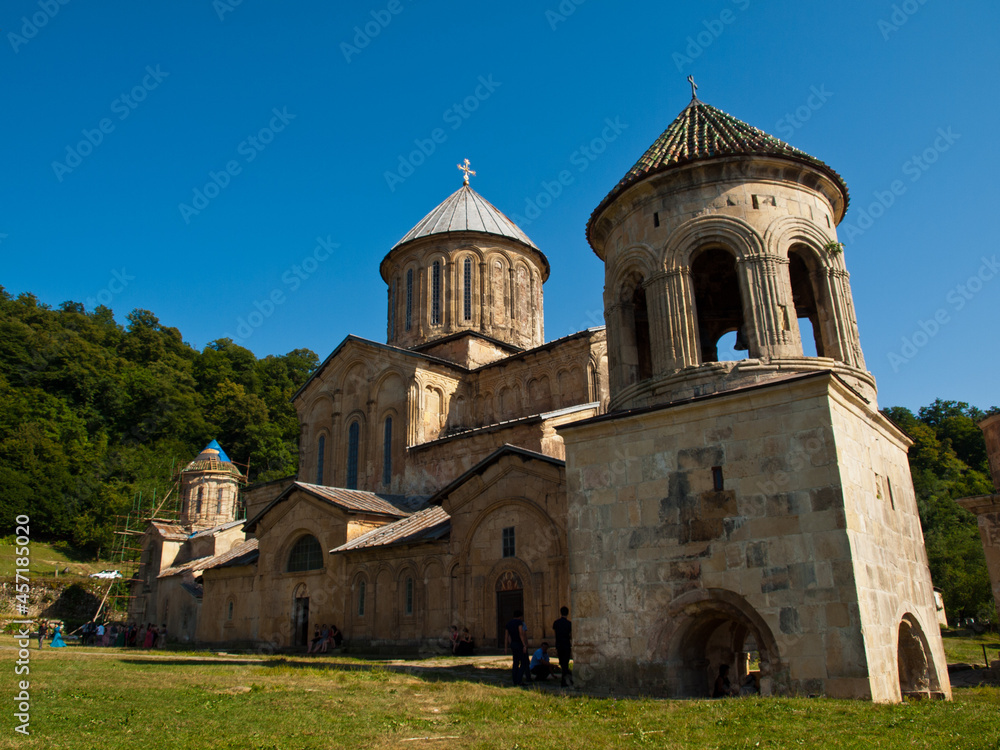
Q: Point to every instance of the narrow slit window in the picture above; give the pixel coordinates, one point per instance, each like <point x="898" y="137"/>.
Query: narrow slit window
<point x="656" y="219"/>
<point x="387" y="452"/>
<point x="718" y="481"/>
<point x="409" y="299"/>
<point x="436" y="293"/>
<point x="320" y="455"/>
<point x="467" y="290"/>
<point x="509" y="548"/>
<point x="353" y="435"/>
<point x="409" y="596"/>
<point x="361" y="599"/>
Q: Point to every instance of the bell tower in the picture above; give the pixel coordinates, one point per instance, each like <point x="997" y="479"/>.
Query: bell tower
<point x="722" y="229"/>
<point x="729" y="506"/>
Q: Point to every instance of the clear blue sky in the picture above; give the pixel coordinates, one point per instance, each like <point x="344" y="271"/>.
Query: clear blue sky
<point x="181" y="87"/>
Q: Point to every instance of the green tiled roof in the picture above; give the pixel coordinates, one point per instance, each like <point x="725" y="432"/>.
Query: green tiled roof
<point x="702" y="132"/>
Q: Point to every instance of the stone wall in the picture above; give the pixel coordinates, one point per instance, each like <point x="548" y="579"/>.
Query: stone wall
<point x="702" y="529"/>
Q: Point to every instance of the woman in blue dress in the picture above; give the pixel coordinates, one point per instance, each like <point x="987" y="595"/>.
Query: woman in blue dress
<point x="57" y="639"/>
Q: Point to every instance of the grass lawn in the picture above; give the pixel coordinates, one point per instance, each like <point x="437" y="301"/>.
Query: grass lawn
<point x="90" y="698"/>
<point x="47" y="558"/>
<point x="961" y="646"/>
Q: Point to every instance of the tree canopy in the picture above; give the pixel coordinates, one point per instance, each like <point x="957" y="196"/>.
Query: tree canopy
<point x="92" y="413"/>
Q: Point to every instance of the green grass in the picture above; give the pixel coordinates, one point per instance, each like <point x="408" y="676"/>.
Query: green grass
<point x="47" y="558"/>
<point x="82" y="699"/>
<point x="961" y="646"/>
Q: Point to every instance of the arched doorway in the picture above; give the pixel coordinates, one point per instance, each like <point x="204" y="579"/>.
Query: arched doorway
<point x="707" y="629"/>
<point x="510" y="599"/>
<point x="300" y="616"/>
<point x="917" y="675"/>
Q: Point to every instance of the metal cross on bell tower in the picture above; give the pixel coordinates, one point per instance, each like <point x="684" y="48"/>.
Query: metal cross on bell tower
<point x="694" y="87"/>
<point x="465" y="168"/>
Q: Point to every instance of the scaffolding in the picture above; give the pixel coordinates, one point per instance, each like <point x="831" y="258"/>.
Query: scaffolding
<point x="128" y="553"/>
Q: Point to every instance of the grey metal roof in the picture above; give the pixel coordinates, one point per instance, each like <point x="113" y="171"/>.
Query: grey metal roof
<point x="465" y="210"/>
<point x="428" y="525"/>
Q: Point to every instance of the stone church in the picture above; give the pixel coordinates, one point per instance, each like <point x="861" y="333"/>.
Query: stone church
<point x="689" y="510"/>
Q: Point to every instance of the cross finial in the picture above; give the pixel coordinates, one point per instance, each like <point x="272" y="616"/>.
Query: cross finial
<point x="465" y="168"/>
<point x="694" y="87"/>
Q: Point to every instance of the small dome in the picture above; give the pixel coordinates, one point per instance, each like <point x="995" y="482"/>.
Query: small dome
<point x="465" y="210"/>
<point x="213" y="458"/>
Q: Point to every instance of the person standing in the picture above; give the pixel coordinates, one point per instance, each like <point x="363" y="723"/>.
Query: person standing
<point x="516" y="637"/>
<point x="57" y="639"/>
<point x="563" y="629"/>
<point x="43" y="629"/>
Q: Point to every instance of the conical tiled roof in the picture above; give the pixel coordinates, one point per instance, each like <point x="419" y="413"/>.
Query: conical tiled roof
<point x="465" y="210"/>
<point x="702" y="132"/>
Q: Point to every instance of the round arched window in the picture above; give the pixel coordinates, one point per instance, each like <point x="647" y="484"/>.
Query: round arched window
<point x="305" y="555"/>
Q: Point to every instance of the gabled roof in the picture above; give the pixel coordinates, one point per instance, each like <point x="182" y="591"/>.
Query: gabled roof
<point x="375" y="345"/>
<point x="701" y="132"/>
<point x="504" y="450"/>
<point x="240" y="550"/>
<point x="426" y="525"/>
<point x="352" y="501"/>
<point x="465" y="210"/>
<point x="216" y="529"/>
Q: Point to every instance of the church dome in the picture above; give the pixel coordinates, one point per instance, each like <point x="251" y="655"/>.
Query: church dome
<point x="701" y="132"/>
<point x="465" y="269"/>
<point x="465" y="210"/>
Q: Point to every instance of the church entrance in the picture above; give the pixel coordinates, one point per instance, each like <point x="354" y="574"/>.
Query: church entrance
<point x="300" y="621"/>
<point x="510" y="599"/>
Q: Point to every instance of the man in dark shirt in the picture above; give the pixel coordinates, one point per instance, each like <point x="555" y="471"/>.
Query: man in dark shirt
<point x="516" y="638"/>
<point x="563" y="629"/>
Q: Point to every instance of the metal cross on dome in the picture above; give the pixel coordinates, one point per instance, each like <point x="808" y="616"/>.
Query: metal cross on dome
<point x="465" y="168"/>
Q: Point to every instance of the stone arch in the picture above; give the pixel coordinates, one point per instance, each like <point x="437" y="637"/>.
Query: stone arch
<point x="468" y="290"/>
<point x="540" y="394"/>
<point x="786" y="231"/>
<point x="384" y="610"/>
<point x="636" y="259"/>
<point x="553" y="531"/>
<point x="918" y="676"/>
<point x="694" y="234"/>
<point x="433" y="410"/>
<point x="706" y="628"/>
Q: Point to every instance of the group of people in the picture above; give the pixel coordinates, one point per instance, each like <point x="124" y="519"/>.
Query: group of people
<point x="121" y="635"/>
<point x="724" y="688"/>
<point x="323" y="637"/>
<point x="537" y="668"/>
<point x="462" y="643"/>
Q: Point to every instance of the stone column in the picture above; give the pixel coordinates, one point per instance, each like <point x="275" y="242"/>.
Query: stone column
<point x="675" y="332"/>
<point x="769" y="333"/>
<point x="846" y="345"/>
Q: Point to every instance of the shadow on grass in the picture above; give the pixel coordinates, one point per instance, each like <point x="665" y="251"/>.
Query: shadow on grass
<point x="486" y="674"/>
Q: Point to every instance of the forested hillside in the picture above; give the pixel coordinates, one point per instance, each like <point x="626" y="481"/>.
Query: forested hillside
<point x="948" y="461"/>
<point x="92" y="412"/>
